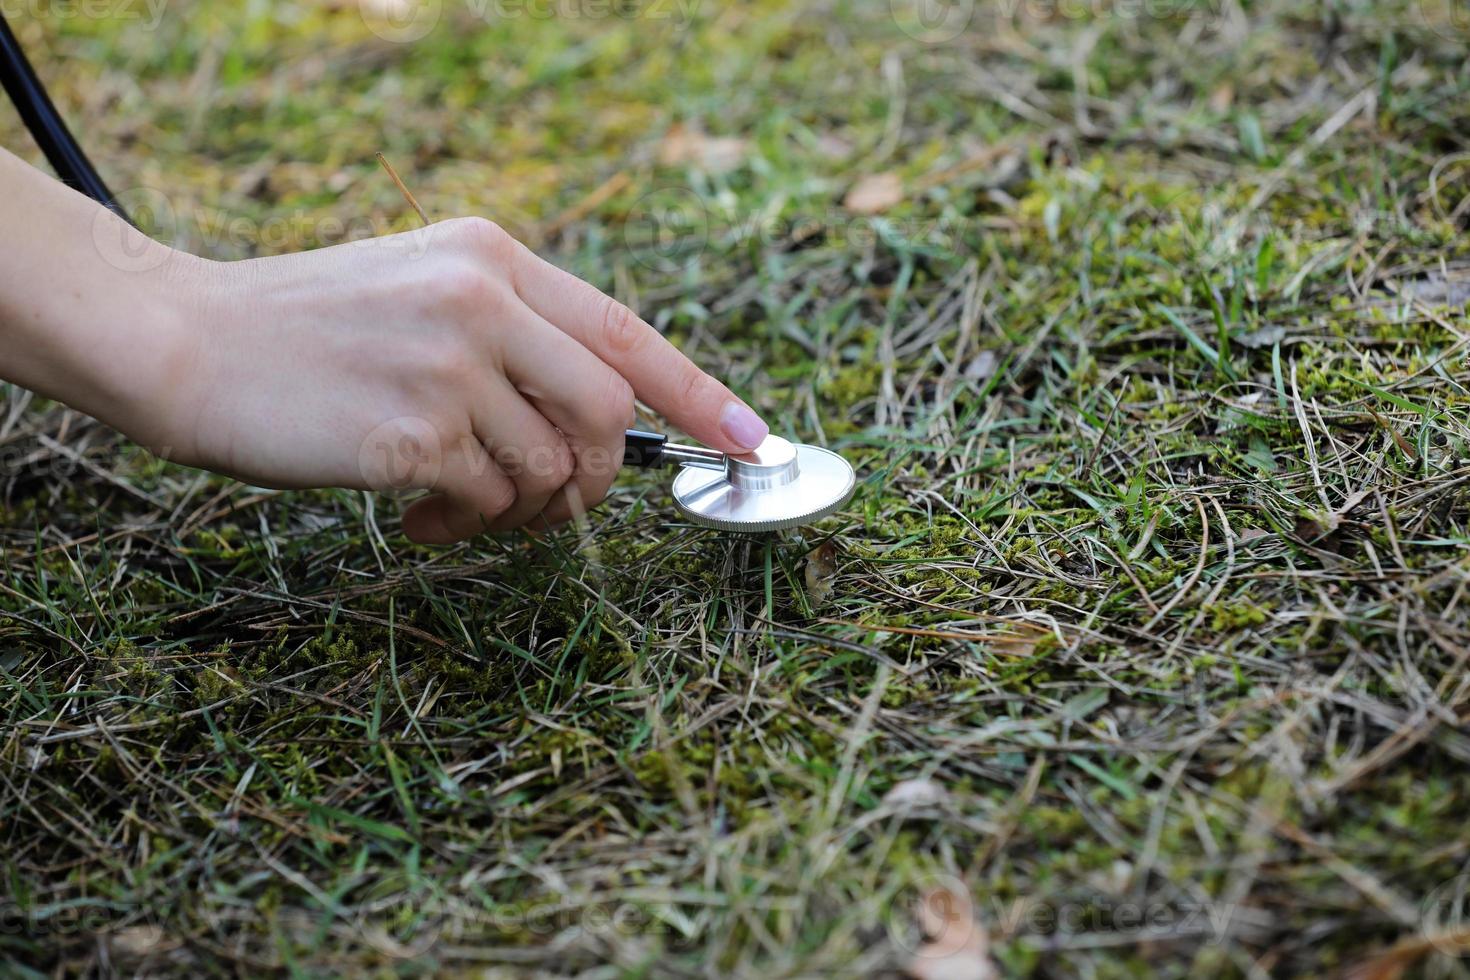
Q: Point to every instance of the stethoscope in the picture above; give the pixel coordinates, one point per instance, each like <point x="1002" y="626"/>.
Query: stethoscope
<point x="778" y="485"/>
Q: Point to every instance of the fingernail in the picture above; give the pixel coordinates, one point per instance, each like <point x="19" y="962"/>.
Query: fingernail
<point x="742" y="426"/>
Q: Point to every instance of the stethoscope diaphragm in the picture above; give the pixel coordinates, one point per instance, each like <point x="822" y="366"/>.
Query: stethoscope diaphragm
<point x="778" y="485"/>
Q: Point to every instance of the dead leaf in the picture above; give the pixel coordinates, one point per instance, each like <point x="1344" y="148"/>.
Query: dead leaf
<point x="874" y="193"/>
<point x="1222" y="98"/>
<point x="690" y="147"/>
<point x="915" y="793"/>
<point x="956" y="946"/>
<point x="820" y="572"/>
<point x="1314" y="528"/>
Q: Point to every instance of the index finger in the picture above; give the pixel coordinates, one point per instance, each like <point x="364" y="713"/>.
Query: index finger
<point x="660" y="375"/>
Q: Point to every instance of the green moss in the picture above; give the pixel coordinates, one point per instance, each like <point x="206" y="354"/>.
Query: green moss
<point x="638" y="715"/>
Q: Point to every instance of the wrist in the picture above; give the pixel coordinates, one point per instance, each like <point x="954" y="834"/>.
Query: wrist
<point x="138" y="373"/>
<point x="154" y="386"/>
<point x="93" y="313"/>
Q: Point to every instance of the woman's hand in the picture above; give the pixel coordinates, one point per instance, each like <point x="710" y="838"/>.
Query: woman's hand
<point x="449" y="359"/>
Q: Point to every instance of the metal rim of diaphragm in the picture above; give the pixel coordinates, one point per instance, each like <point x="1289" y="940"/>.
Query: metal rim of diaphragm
<point x="825" y="482"/>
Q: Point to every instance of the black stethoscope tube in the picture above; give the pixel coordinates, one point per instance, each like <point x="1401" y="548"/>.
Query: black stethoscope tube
<point x="45" y="123"/>
<point x="643" y="448"/>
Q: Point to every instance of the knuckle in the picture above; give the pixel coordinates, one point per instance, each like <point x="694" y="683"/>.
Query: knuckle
<point x="484" y="237"/>
<point x="693" y="383"/>
<point x="442" y="362"/>
<point x="616" y="405"/>
<point x="622" y="331"/>
<point x="468" y="296"/>
<point x="549" y="467"/>
<point x="465" y="285"/>
<point x="401" y="454"/>
<point x="496" y="497"/>
<point x="597" y="466"/>
<point x="563" y="465"/>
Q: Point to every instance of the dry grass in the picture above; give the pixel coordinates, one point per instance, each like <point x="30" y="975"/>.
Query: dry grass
<point x="1156" y="574"/>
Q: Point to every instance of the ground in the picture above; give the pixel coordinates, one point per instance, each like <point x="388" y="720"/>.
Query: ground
<point x="1146" y="628"/>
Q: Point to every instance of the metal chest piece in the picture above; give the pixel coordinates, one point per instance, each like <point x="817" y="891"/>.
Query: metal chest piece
<point x="777" y="485"/>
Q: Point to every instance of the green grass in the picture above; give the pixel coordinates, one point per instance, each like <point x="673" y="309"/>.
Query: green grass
<point x="1157" y="565"/>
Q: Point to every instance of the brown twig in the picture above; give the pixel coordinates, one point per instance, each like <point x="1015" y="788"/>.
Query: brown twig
<point x="403" y="188"/>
